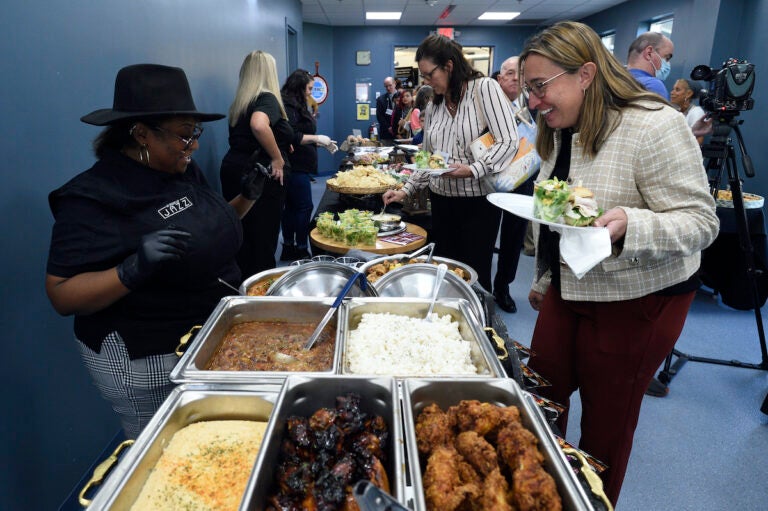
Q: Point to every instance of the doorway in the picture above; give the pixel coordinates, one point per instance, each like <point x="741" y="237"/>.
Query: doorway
<point x="481" y="58"/>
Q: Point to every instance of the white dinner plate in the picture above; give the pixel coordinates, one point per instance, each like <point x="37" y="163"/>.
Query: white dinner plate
<point x="522" y="206"/>
<point x="430" y="171"/>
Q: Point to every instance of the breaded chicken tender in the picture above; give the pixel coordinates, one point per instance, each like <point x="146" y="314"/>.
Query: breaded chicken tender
<point x="472" y="415"/>
<point x="477" y="452"/>
<point x="433" y="429"/>
<point x="534" y="490"/>
<point x="517" y="447"/>
<point x="443" y="488"/>
<point x="493" y="495"/>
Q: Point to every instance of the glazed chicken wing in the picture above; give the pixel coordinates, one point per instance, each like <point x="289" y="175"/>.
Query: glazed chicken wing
<point x="477" y="452"/>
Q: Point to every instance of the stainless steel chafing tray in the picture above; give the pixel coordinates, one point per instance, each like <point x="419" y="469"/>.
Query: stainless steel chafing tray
<point x="419" y="393"/>
<point x="303" y="396"/>
<point x="187" y="404"/>
<point x="232" y="310"/>
<point x="482" y="353"/>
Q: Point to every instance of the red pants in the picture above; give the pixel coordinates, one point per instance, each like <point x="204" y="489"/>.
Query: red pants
<point x="609" y="351"/>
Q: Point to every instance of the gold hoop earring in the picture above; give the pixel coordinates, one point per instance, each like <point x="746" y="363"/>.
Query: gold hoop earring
<point x="144" y="155"/>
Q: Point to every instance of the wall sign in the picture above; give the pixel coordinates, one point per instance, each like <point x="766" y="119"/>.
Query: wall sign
<point x="319" y="87"/>
<point x="363" y="57"/>
<point x="363" y="111"/>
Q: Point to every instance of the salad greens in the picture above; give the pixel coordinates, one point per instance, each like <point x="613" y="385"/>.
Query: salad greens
<point x="421" y="159"/>
<point x="550" y="198"/>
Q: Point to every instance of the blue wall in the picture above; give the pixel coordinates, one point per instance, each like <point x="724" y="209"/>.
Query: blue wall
<point x="707" y="32"/>
<point x="59" y="61"/>
<point x="382" y="41"/>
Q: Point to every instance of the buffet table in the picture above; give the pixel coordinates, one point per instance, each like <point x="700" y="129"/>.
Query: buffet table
<point x="723" y="266"/>
<point x="381" y="247"/>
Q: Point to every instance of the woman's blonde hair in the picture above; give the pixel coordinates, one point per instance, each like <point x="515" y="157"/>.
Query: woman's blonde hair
<point x="570" y="45"/>
<point x="258" y="74"/>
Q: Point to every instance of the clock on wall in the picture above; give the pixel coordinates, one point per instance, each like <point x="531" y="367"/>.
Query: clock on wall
<point x="363" y="57"/>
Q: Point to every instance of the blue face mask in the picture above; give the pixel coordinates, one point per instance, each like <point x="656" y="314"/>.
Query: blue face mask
<point x="663" y="72"/>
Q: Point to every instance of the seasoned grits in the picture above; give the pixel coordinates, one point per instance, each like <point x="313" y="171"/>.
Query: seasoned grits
<point x="206" y="465"/>
<point x="263" y="346"/>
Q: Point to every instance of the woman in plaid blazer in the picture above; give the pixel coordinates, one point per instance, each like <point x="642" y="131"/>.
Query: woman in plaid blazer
<point x="606" y="333"/>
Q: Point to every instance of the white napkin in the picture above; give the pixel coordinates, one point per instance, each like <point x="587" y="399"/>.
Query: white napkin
<point x="583" y="249"/>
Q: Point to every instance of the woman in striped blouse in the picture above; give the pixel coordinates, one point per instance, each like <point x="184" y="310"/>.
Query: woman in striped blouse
<point x="465" y="105"/>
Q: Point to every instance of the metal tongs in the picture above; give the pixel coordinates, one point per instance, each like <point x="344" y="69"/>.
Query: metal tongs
<point x="428" y="247"/>
<point x="328" y="315"/>
<point x="372" y="498"/>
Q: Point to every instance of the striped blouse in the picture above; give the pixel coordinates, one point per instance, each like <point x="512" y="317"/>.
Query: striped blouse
<point x="483" y="105"/>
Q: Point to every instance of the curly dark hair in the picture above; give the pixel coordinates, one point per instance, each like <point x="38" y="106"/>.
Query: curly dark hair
<point x="440" y="49"/>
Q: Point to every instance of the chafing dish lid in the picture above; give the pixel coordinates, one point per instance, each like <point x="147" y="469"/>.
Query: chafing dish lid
<point x="318" y="279"/>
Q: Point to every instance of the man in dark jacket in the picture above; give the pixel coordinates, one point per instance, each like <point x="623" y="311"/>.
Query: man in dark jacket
<point x="385" y="107"/>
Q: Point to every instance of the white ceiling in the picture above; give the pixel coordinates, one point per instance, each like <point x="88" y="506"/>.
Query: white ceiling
<point x="466" y="12"/>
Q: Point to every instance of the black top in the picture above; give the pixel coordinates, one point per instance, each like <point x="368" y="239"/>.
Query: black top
<point x="242" y="143"/>
<point x="304" y="157"/>
<point x="100" y="217"/>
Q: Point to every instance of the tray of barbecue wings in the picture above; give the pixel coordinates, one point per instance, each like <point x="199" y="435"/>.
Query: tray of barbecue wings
<point x="326" y="434"/>
<point x="485" y="443"/>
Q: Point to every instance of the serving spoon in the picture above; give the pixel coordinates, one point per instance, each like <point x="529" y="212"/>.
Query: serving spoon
<point x="442" y="269"/>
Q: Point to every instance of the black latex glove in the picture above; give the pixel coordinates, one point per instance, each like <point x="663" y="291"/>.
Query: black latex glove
<point x="154" y="249"/>
<point x="252" y="183"/>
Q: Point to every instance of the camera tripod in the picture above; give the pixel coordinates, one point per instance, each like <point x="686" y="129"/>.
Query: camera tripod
<point x="720" y="156"/>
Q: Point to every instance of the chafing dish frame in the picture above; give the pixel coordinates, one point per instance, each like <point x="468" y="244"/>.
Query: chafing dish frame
<point x="483" y="354"/>
<point x="303" y="395"/>
<point x="232" y="310"/>
<point x="187" y="404"/>
<point x="419" y="393"/>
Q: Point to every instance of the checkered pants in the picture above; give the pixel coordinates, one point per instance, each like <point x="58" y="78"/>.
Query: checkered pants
<point x="136" y="388"/>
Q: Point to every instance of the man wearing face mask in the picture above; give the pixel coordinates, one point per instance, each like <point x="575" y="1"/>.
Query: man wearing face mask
<point x="648" y="61"/>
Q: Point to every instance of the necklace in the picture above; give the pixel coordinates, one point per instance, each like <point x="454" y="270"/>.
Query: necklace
<point x="453" y="108"/>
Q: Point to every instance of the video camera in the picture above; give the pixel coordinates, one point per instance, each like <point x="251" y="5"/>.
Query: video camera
<point x="730" y="87"/>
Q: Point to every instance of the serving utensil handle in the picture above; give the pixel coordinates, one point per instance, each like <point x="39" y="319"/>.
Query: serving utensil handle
<point x="101" y="470"/>
<point x="328" y="315"/>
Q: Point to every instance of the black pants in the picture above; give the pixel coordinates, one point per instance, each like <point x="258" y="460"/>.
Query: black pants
<point x="464" y="229"/>
<point x="511" y="240"/>
<point x="261" y="226"/>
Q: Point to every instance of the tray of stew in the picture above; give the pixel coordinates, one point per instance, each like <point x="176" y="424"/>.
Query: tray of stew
<point x="260" y="340"/>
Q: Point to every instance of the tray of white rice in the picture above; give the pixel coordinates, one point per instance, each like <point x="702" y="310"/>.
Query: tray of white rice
<point x="212" y="431"/>
<point x="390" y="336"/>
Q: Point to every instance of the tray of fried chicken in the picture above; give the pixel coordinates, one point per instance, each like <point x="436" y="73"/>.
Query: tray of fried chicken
<point x="483" y="445"/>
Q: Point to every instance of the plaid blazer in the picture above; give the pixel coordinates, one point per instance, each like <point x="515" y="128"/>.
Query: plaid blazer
<point x="651" y="167"/>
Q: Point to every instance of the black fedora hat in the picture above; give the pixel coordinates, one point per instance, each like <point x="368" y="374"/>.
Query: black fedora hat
<point x="145" y="90"/>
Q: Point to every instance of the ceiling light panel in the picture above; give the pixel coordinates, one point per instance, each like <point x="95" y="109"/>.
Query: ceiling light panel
<point x="387" y="15"/>
<point x="498" y="16"/>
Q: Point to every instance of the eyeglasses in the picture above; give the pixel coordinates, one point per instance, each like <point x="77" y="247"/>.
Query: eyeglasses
<point x="188" y="141"/>
<point x="539" y="89"/>
<point x="428" y="76"/>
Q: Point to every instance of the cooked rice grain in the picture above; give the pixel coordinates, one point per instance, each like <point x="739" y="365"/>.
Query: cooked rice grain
<point x="391" y="344"/>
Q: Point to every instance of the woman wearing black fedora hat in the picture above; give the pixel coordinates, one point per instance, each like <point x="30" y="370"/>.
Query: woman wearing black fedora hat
<point x="140" y="240"/>
<point x="259" y="132"/>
